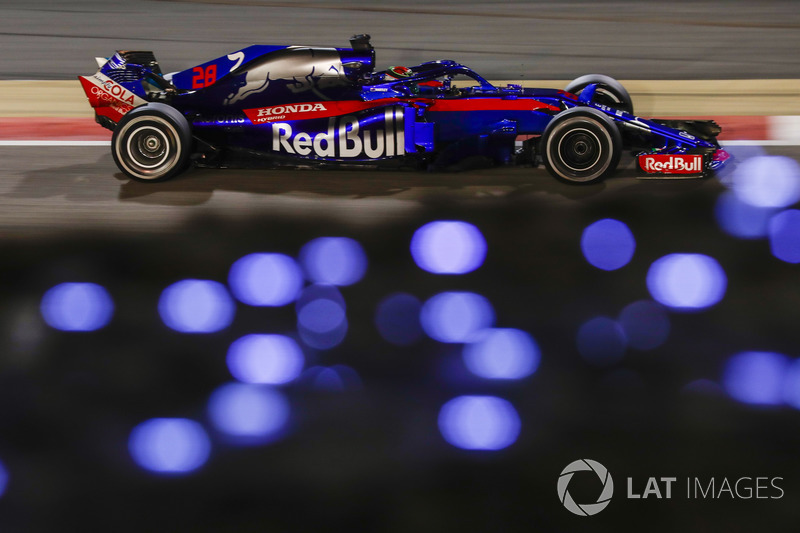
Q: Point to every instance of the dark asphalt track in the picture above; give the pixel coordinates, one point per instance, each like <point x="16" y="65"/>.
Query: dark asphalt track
<point x="46" y="189"/>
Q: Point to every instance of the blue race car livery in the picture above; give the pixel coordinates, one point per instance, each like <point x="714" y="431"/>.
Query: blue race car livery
<point x="299" y="106"/>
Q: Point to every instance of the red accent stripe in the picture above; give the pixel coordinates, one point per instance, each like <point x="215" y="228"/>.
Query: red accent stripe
<point x="282" y="113"/>
<point x="286" y="112"/>
<point x="490" y="104"/>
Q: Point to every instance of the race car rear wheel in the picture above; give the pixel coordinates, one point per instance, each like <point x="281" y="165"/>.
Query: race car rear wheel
<point x="152" y="143"/>
<point x="581" y="145"/>
<point x="609" y="91"/>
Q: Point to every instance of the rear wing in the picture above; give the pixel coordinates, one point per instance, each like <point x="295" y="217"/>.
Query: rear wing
<point x="121" y="83"/>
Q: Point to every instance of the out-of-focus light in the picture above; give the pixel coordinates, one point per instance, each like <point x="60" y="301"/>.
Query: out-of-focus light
<point x="169" y="445"/>
<point x="323" y="341"/>
<point x="349" y="377"/>
<point x="791" y="384"/>
<point x="266" y="359"/>
<point x="334" y="260"/>
<point x="321" y="316"/>
<point x="479" y="423"/>
<point x="756" y="378"/>
<point x="456" y="316"/>
<point x="502" y="353"/>
<point x="4" y="477"/>
<point x="741" y="219"/>
<point x="601" y="341"/>
<point x="327" y="379"/>
<point x="784" y="236"/>
<point x="265" y="279"/>
<point x="196" y="306"/>
<point x="397" y="319"/>
<point x="767" y="181"/>
<point x="249" y="414"/>
<point x="318" y="292"/>
<point x="687" y="281"/>
<point x="448" y="247"/>
<point x="645" y="324"/>
<point x="334" y="378"/>
<point x="77" y="307"/>
<point x="608" y="244"/>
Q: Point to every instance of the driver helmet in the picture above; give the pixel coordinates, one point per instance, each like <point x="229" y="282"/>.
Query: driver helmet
<point x="399" y="72"/>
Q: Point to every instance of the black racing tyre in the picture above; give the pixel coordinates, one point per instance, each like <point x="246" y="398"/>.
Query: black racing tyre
<point x="609" y="91"/>
<point x="152" y="143"/>
<point x="581" y="145"/>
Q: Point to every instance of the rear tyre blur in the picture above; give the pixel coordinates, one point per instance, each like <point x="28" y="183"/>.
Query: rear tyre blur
<point x="152" y="143"/>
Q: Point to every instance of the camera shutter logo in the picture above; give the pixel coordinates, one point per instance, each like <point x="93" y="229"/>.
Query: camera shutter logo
<point x="585" y="509"/>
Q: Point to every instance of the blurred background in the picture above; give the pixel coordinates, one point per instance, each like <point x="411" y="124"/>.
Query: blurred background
<point x="249" y="350"/>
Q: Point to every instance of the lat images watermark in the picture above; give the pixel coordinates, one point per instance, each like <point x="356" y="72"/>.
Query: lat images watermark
<point x="585" y="509"/>
<point x="665" y="488"/>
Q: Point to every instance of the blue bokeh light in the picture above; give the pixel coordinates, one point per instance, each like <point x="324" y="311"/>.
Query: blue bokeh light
<point x="448" y="247"/>
<point x="324" y="378"/>
<point x="169" y="445"/>
<point x="321" y="316"/>
<point x="323" y="341"/>
<point x="687" y="281"/>
<point x="646" y="325"/>
<point x="791" y="384"/>
<point x="266" y="359"/>
<point x="263" y="279"/>
<point x="249" y="414"/>
<point x="196" y="306"/>
<point x="4" y="478"/>
<point x="601" y="341"/>
<point x="502" y="353"/>
<point x="335" y="378"/>
<point x="741" y="219"/>
<point x="608" y="244"/>
<point x="456" y="316"/>
<point x="784" y="236"/>
<point x="479" y="423"/>
<point x="334" y="260"/>
<point x="756" y="378"/>
<point x="397" y="319"/>
<point x="77" y="307"/>
<point x="767" y="181"/>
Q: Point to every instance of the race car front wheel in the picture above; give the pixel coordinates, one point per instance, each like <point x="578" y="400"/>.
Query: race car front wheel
<point x="609" y="91"/>
<point x="581" y="145"/>
<point x="152" y="143"/>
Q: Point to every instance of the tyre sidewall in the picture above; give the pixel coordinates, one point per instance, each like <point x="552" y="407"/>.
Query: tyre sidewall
<point x="581" y="126"/>
<point x="163" y="124"/>
<point x="609" y="91"/>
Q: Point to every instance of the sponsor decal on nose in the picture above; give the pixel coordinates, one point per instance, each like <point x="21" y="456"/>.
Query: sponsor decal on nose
<point x="671" y="163"/>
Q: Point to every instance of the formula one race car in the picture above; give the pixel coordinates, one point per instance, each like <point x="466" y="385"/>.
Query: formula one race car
<point x="298" y="106"/>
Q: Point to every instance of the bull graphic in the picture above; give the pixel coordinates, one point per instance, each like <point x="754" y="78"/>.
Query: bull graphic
<point x="323" y="68"/>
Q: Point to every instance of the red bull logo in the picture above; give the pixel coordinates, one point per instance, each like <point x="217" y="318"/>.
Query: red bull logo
<point x="346" y="137"/>
<point x="671" y="163"/>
